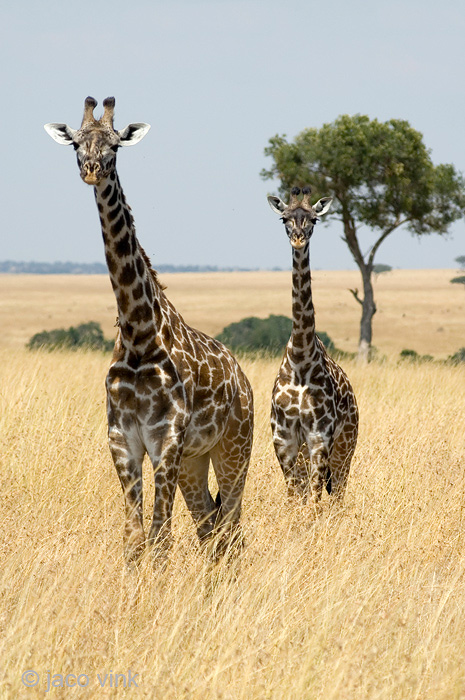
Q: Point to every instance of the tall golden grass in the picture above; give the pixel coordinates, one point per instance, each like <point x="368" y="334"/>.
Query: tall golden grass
<point x="363" y="603"/>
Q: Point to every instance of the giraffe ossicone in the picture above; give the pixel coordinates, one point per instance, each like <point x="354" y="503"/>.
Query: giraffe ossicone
<point x="172" y="391"/>
<point x="314" y="414"/>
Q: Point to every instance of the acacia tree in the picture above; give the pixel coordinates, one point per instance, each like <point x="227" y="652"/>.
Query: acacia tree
<point x="380" y="175"/>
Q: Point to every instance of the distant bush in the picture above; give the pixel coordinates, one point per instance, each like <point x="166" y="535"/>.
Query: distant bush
<point x="88" y="336"/>
<point x="409" y="354"/>
<point x="263" y="334"/>
<point x="414" y="356"/>
<point x="379" y="268"/>
<point x="458" y="357"/>
<point x="268" y="335"/>
<point x="458" y="280"/>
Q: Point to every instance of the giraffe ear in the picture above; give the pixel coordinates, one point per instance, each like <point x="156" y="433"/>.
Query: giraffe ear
<point x="322" y="206"/>
<point x="61" y="133"/>
<point x="276" y="204"/>
<point x="133" y="133"/>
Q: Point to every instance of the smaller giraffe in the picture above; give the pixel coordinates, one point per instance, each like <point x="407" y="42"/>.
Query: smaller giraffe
<point x="314" y="415"/>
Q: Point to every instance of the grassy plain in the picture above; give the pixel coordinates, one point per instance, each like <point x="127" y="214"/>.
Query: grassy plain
<point x="417" y="309"/>
<point x="365" y="603"/>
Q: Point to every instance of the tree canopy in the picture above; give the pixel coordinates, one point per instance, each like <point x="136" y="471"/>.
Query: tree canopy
<point x="380" y="173"/>
<point x="380" y="268"/>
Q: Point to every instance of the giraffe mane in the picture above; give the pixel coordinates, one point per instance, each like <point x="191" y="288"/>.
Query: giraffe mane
<point x="153" y="272"/>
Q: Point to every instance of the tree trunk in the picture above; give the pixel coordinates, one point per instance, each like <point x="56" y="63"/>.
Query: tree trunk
<point x="368" y="311"/>
<point x="366" y="268"/>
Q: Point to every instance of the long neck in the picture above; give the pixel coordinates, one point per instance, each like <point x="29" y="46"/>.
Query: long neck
<point x="303" y="339"/>
<point x="136" y="289"/>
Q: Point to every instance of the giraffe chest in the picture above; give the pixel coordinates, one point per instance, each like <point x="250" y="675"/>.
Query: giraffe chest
<point x="165" y="398"/>
<point x="305" y="402"/>
<point x="145" y="396"/>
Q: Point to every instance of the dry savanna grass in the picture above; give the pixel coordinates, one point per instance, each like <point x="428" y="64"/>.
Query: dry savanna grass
<point x="362" y="603"/>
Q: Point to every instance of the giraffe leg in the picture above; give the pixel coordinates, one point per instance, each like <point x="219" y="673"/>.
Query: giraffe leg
<point x="294" y="467"/>
<point x="193" y="482"/>
<point x="230" y="458"/>
<point x="339" y="481"/>
<point x="166" y="464"/>
<point x="127" y="458"/>
<point x="292" y="462"/>
<point x="230" y="475"/>
<point x="319" y="468"/>
<point x="340" y="460"/>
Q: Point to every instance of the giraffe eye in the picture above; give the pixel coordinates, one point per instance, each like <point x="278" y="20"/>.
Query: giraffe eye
<point x="75" y="145"/>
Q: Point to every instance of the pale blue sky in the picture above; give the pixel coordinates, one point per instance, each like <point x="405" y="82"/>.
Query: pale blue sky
<point x="215" y="79"/>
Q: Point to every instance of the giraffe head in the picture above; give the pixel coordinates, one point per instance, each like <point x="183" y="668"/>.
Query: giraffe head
<point x="299" y="216"/>
<point x="97" y="142"/>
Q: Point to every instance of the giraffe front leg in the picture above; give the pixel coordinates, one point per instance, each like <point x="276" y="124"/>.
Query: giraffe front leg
<point x="127" y="457"/>
<point x="166" y="465"/>
<point x="340" y="467"/>
<point x="287" y="449"/>
<point x="319" y="469"/>
<point x="341" y="456"/>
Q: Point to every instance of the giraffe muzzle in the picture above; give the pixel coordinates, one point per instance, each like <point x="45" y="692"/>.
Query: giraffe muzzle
<point x="91" y="174"/>
<point x="297" y="240"/>
<point x="91" y="179"/>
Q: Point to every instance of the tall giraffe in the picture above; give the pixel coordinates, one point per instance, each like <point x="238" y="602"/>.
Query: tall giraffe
<point x="314" y="415"/>
<point x="172" y="391"/>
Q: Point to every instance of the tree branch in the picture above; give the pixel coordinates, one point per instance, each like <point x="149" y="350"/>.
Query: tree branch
<point x="382" y="238"/>
<point x="350" y="237"/>
<point x="356" y="296"/>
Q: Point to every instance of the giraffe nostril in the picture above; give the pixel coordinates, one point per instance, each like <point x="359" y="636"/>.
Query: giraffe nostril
<point x="92" y="167"/>
<point x="297" y="240"/>
<point x="91" y="173"/>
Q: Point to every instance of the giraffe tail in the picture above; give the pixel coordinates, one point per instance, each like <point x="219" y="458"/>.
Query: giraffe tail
<point x="328" y="480"/>
<point x="217" y="511"/>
